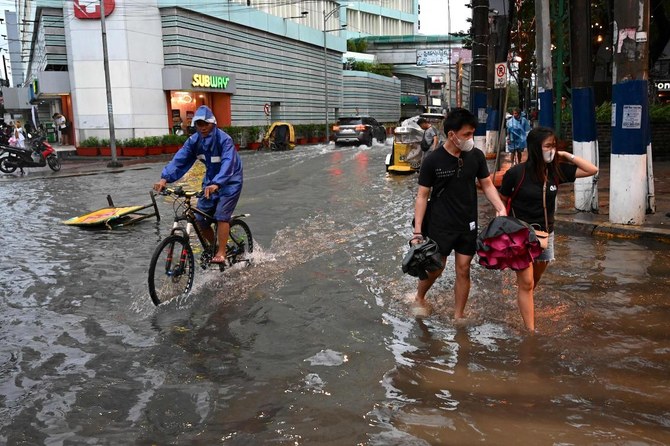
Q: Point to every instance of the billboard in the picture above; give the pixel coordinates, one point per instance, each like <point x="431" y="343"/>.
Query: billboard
<point x="443" y="56"/>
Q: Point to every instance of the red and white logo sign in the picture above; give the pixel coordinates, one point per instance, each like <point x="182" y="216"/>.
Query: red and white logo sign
<point x="90" y="9"/>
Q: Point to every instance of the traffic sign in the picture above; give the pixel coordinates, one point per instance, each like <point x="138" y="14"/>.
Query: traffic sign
<point x="266" y="109"/>
<point x="501" y="75"/>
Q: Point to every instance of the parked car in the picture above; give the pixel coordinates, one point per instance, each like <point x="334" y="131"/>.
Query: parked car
<point x="358" y="130"/>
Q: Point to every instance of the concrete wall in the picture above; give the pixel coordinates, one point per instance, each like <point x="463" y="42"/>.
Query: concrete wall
<point x="371" y="94"/>
<point x="135" y="51"/>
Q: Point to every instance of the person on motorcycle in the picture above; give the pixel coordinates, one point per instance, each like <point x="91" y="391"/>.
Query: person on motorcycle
<point x="222" y="183"/>
<point x="18" y="139"/>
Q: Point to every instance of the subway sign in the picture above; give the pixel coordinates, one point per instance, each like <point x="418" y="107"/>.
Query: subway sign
<point x="210" y="81"/>
<point x="185" y="79"/>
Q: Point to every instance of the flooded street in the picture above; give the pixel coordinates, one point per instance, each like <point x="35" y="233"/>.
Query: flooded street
<point x="314" y="343"/>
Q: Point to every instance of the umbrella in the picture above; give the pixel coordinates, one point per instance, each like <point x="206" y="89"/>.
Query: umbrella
<point x="507" y="242"/>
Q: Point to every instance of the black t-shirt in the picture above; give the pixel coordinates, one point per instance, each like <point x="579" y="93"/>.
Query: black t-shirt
<point x="455" y="209"/>
<point x="527" y="204"/>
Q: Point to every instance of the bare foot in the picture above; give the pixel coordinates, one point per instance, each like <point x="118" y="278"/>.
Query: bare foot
<point x="421" y="309"/>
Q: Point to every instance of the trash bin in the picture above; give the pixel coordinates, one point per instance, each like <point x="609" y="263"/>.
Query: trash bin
<point x="52" y="135"/>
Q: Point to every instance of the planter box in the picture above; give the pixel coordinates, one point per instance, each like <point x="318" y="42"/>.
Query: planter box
<point x="154" y="150"/>
<point x="87" y="151"/>
<point x="170" y="149"/>
<point x="253" y="145"/>
<point x="134" y="151"/>
<point x="313" y="139"/>
<point x="107" y="151"/>
<point x="301" y="140"/>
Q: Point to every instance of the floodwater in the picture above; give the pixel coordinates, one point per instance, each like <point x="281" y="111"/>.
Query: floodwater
<point x="315" y="344"/>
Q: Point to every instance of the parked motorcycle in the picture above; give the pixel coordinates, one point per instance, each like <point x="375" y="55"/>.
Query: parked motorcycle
<point x="38" y="153"/>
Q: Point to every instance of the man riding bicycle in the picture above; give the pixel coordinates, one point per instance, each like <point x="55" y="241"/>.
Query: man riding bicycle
<point x="222" y="183"/>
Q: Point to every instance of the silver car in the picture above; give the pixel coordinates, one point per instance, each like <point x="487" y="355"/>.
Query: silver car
<point x="358" y="130"/>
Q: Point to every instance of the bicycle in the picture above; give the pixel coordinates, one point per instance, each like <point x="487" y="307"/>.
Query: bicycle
<point x="172" y="267"/>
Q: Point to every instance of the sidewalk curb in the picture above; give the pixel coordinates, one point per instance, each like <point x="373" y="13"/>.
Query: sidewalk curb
<point x="611" y="230"/>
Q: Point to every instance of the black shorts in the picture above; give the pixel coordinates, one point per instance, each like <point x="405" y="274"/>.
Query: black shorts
<point x="462" y="242"/>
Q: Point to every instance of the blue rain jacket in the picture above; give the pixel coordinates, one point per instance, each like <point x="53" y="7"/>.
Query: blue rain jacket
<point x="517" y="130"/>
<point x="217" y="152"/>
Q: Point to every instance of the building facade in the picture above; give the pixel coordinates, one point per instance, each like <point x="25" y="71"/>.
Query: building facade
<point x="166" y="58"/>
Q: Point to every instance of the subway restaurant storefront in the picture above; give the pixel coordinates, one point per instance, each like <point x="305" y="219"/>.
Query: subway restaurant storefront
<point x="186" y="89"/>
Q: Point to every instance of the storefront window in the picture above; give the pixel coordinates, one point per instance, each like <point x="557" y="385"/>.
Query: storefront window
<point x="183" y="105"/>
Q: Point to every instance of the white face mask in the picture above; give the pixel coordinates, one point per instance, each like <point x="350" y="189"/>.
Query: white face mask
<point x="548" y="156"/>
<point x="465" y="145"/>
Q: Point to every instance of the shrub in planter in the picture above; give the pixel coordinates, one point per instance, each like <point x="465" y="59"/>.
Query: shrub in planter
<point x="171" y="143"/>
<point x="153" y="145"/>
<point x="254" y="137"/>
<point x="300" y="133"/>
<point x="88" y="147"/>
<point x="135" y="147"/>
<point x="237" y="133"/>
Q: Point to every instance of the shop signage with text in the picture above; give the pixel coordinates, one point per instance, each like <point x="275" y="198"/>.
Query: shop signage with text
<point x="210" y="81"/>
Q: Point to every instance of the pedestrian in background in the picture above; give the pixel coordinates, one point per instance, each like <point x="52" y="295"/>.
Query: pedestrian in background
<point x="60" y="123"/>
<point x="533" y="186"/>
<point x="448" y="176"/>
<point x="430" y="139"/>
<point x="18" y="138"/>
<point x="517" y="130"/>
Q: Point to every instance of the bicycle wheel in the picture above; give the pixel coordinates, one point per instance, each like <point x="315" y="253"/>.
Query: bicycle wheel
<point x="171" y="270"/>
<point x="240" y="242"/>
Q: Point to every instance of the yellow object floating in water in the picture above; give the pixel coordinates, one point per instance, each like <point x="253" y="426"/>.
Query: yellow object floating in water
<point x="114" y="216"/>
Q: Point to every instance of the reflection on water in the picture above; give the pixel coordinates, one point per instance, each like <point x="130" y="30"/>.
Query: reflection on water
<point x="314" y="342"/>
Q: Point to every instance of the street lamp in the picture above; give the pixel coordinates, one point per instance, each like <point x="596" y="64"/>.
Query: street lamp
<point x="302" y="15"/>
<point x="326" y="16"/>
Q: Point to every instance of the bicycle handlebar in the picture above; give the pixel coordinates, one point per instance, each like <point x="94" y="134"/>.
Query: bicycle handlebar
<point x="181" y="192"/>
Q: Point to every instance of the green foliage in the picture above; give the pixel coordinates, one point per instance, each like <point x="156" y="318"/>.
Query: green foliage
<point x="357" y="45"/>
<point x="254" y="133"/>
<point x="170" y="140"/>
<point x="90" y="142"/>
<point x="235" y="132"/>
<point x="603" y="112"/>
<point x="104" y="142"/>
<point x="300" y="130"/>
<point x="371" y="67"/>
<point x="657" y="113"/>
<point x="152" y="141"/>
<point x="135" y="142"/>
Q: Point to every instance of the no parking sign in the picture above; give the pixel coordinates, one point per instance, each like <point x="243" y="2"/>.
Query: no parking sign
<point x="501" y="75"/>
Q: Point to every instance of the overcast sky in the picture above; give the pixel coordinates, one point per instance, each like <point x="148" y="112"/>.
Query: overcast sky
<point x="434" y="17"/>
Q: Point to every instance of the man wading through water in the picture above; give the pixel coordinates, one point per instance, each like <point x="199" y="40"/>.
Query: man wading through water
<point x="448" y="176"/>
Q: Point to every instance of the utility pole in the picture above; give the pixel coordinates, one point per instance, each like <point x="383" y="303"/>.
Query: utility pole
<point x="4" y="64"/>
<point x="492" y="124"/>
<point x="480" y="24"/>
<point x="631" y="173"/>
<point x="561" y="25"/>
<point x="108" y="87"/>
<point x="545" y="83"/>
<point x="584" y="134"/>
